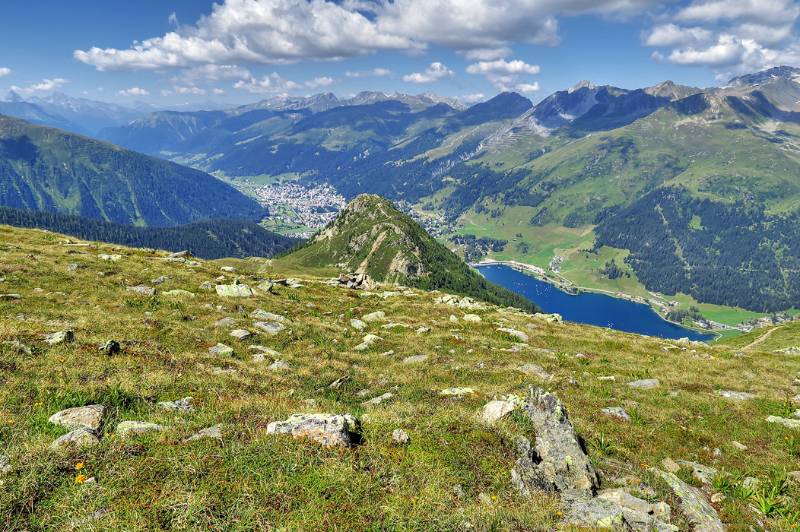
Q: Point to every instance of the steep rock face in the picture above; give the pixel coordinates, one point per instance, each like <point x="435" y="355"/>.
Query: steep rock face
<point x="370" y="236"/>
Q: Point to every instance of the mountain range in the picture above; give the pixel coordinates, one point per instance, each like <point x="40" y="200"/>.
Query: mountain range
<point x="578" y="175"/>
<point x="583" y="160"/>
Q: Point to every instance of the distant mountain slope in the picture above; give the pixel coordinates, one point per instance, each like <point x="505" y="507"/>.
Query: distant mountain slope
<point x="371" y="236"/>
<point x="49" y="169"/>
<point x="211" y="239"/>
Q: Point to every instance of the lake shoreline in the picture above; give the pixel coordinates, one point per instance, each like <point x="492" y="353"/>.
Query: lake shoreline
<point x="569" y="288"/>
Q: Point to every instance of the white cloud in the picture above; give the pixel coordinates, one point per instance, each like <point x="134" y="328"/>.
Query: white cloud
<point x="217" y="91"/>
<point x="503" y="67"/>
<point x="770" y="11"/>
<point x="271" y="84"/>
<point x="731" y="36"/>
<point x="672" y="35"/>
<point x="527" y="87"/>
<point x="487" y="54"/>
<point x="46" y="85"/>
<point x="322" y="81"/>
<point x="188" y="90"/>
<point x="377" y="72"/>
<point x="4" y="71"/>
<point x="134" y="91"/>
<point x="280" y="31"/>
<point x="211" y="72"/>
<point x="434" y="72"/>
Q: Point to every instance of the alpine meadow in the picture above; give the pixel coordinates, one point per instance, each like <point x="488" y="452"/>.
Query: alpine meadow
<point x="400" y="265"/>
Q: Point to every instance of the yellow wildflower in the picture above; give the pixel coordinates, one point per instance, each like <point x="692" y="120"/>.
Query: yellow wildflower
<point x="80" y="479"/>
<point x="79" y="466"/>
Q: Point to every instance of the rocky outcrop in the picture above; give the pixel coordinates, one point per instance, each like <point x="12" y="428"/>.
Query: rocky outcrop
<point x="556" y="461"/>
<point x="693" y="504"/>
<point x="330" y="430"/>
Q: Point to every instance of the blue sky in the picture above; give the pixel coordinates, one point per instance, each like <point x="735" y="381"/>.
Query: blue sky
<point x="175" y="51"/>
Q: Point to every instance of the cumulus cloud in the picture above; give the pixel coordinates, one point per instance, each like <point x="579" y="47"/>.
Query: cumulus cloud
<point x="672" y="34"/>
<point x="281" y="31"/>
<point x="527" y="87"/>
<point x="501" y="66"/>
<point x="4" y="71"/>
<point x="212" y="73"/>
<point x="271" y="84"/>
<point x="322" y="81"/>
<point x="434" y="72"/>
<point x="46" y="85"/>
<point x="487" y="54"/>
<point x="770" y="11"/>
<point x="473" y="98"/>
<point x="376" y="72"/>
<point x="134" y="91"/>
<point x="730" y="36"/>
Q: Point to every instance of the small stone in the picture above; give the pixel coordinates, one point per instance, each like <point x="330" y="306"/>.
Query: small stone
<point x="18" y="347"/>
<point x="76" y="439"/>
<point x="535" y="370"/>
<point x="214" y="432"/>
<point x="670" y="465"/>
<point x="261" y="353"/>
<point x="280" y="365"/>
<point x="159" y="280"/>
<point x="368" y="340"/>
<point x="453" y="318"/>
<point x="5" y="465"/>
<point x="415" y="359"/>
<point x="740" y="446"/>
<point x="400" y="437"/>
<point x="60" y="337"/>
<point x="645" y="384"/>
<point x="423" y="330"/>
<point x="228" y="269"/>
<point x="374" y="316"/>
<point x="88" y="417"/>
<point x="330" y="430"/>
<point x="180" y="405"/>
<point x="141" y="290"/>
<point x="10" y="297"/>
<point x="221" y="349"/>
<point x="736" y="396"/>
<point x="110" y="258"/>
<point x="786" y="422"/>
<point x="357" y="324"/>
<point x="225" y="322"/>
<point x="241" y="334"/>
<point x="701" y="473"/>
<point x="266" y="286"/>
<point x="717" y="498"/>
<point x="608" y="378"/>
<point x="472" y="318"/>
<point x="263" y="315"/>
<point x="519" y="335"/>
<point x="127" y="429"/>
<point x="111" y="347"/>
<point x="495" y="410"/>
<point x="617" y="412"/>
<point x="378" y="400"/>
<point x="456" y="392"/>
<point x="270" y="327"/>
<point x="234" y="290"/>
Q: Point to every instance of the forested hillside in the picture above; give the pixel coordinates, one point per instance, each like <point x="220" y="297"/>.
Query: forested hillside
<point x="210" y="239"/>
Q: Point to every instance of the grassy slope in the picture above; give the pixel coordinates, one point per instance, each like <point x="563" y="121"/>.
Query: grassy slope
<point x="255" y="480"/>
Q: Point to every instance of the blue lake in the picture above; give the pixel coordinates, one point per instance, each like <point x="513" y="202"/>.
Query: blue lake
<point x="589" y="307"/>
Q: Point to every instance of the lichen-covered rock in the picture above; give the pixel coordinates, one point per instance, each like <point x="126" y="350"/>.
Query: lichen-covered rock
<point x="270" y="327"/>
<point x="701" y="473"/>
<point x="263" y="315"/>
<point x="456" y="392"/>
<point x="240" y="334"/>
<point x="88" y="417"/>
<point x="645" y="384"/>
<point x="60" y="337"/>
<point x="617" y="412"/>
<point x="557" y="460"/>
<point x="5" y="465"/>
<point x="785" y="421"/>
<point x="535" y="370"/>
<point x="76" y="439"/>
<point x="374" y="316"/>
<point x="400" y="437"/>
<point x="142" y="290"/>
<point x="128" y="429"/>
<point x="693" y="504"/>
<point x="214" y="432"/>
<point x="495" y="410"/>
<point x="736" y="396"/>
<point x="234" y="290"/>
<point x="280" y="365"/>
<point x="415" y="359"/>
<point x="378" y="400"/>
<point x="357" y="324"/>
<point x="330" y="430"/>
<point x="519" y="335"/>
<point x="178" y="293"/>
<point x="583" y="510"/>
<point x="367" y="341"/>
<point x="180" y="405"/>
<point x="221" y="349"/>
